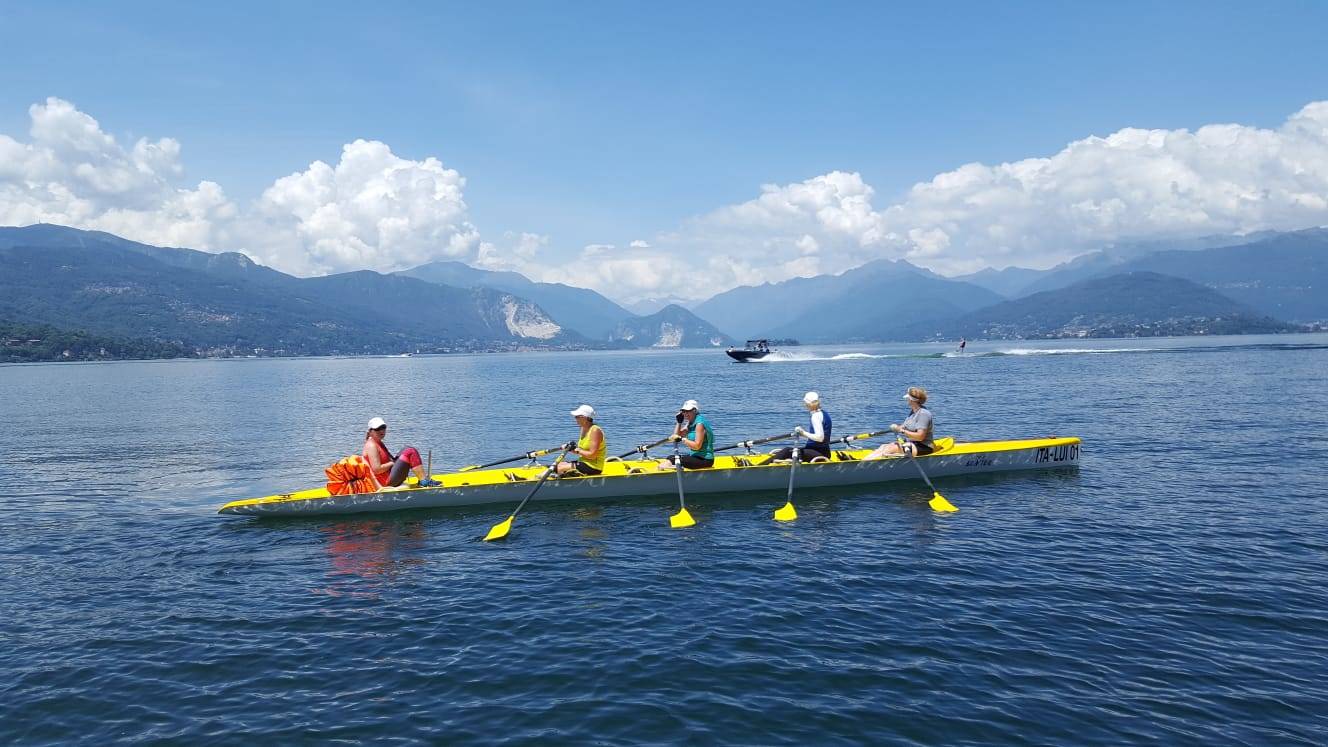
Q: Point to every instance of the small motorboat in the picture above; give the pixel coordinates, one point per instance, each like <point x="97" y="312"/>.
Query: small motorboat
<point x="754" y="350"/>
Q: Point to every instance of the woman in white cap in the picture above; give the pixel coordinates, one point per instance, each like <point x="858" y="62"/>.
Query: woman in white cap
<point x="589" y="448"/>
<point x="693" y="431"/>
<point x="390" y="471"/>
<point x="916" y="430"/>
<point x="817" y="434"/>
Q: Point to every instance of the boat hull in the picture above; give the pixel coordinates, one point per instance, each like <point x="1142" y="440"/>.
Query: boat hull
<point x="742" y="356"/>
<point x="499" y="486"/>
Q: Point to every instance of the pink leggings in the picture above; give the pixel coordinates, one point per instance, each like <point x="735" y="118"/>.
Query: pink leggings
<point x="407" y="458"/>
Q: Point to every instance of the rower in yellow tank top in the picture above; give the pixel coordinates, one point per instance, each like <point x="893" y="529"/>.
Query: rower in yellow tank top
<point x="590" y="447"/>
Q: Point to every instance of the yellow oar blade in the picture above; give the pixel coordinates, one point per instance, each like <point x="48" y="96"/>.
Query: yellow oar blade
<point x="786" y="513"/>
<point x="468" y="468"/>
<point x="681" y="519"/>
<point x="499" y="530"/>
<point x="938" y="503"/>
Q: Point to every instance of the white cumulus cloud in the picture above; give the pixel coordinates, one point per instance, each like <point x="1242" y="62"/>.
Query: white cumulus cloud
<point x="72" y="173"/>
<point x="1132" y="184"/>
<point x="373" y="210"/>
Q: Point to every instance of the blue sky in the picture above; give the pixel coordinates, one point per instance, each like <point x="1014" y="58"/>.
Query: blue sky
<point x="600" y="123"/>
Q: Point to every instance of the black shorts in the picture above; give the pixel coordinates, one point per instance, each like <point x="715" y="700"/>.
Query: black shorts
<point x="804" y="455"/>
<point x="921" y="449"/>
<point x="691" y="461"/>
<point x="581" y="468"/>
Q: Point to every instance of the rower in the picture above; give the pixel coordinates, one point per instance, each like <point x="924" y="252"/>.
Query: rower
<point x="818" y="437"/>
<point x="390" y="471"/>
<point x="589" y="448"/>
<point x="915" y="432"/>
<point x="693" y="431"/>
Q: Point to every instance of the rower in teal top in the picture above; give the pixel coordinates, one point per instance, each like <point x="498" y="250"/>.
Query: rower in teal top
<point x="693" y="431"/>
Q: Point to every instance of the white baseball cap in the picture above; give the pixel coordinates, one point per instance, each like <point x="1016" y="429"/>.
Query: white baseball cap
<point x="690" y="405"/>
<point x="584" y="411"/>
<point x="810" y="397"/>
<point x="376" y="423"/>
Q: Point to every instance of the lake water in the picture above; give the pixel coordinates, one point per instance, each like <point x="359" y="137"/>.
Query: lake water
<point x="1170" y="590"/>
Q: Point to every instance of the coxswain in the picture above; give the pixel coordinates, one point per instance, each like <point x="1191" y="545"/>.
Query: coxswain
<point x="693" y="430"/>
<point x="390" y="471"/>
<point x="589" y="448"/>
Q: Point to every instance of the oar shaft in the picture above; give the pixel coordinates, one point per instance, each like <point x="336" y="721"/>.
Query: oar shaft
<point x="859" y="437"/>
<point x="793" y="468"/>
<point x="539" y="484"/>
<point x="677" y="472"/>
<point x="925" y="479"/>
<point x="756" y="442"/>
<point x="643" y="448"/>
<point x="519" y="457"/>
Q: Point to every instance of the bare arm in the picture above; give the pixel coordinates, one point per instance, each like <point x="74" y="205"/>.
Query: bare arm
<point x="700" y="437"/>
<point x="370" y="455"/>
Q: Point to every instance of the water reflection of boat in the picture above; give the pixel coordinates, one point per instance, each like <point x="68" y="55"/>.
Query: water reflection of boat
<point x="754" y="350"/>
<point x="374" y="548"/>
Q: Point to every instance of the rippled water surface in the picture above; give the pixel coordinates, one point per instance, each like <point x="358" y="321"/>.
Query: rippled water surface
<point x="1170" y="590"/>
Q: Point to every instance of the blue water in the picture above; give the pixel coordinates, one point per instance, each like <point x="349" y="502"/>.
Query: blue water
<point x="1169" y="591"/>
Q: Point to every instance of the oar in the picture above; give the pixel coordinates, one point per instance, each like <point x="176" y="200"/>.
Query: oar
<point x="682" y="518"/>
<point x="938" y="501"/>
<point x="527" y="455"/>
<point x="643" y="448"/>
<point x="756" y="442"/>
<point x="501" y="529"/>
<point x="788" y="513"/>
<point x="846" y="440"/>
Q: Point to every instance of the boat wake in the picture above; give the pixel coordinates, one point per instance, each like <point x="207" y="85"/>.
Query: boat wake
<point x="1046" y="351"/>
<point x="783" y="356"/>
<point x="786" y="356"/>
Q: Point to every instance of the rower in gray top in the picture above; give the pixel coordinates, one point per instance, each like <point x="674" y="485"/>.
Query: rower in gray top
<point x="916" y="431"/>
<point x="921" y="421"/>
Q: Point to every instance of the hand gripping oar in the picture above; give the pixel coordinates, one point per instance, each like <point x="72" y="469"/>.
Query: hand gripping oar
<point x="938" y="501"/>
<point x="528" y="455"/>
<point x="643" y="448"/>
<point x="682" y="518"/>
<point x="501" y="529"/>
<point x="788" y="513"/>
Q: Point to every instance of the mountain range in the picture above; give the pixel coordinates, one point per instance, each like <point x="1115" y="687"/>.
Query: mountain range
<point x="1130" y="304"/>
<point x="1283" y="275"/>
<point x="106" y="295"/>
<point x="870" y="302"/>
<point x="73" y="280"/>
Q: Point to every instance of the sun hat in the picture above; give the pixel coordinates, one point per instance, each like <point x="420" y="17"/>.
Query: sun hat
<point x="584" y="411"/>
<point x="376" y="423"/>
<point x="810" y="397"/>
<point x="689" y="405"/>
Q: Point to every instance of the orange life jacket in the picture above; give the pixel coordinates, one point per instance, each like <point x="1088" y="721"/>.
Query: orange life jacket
<point x="350" y="475"/>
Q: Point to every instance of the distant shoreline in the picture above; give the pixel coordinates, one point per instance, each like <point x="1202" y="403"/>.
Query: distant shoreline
<point x="1311" y="330"/>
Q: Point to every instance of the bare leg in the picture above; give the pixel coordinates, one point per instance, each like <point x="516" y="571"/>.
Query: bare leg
<point x="884" y="450"/>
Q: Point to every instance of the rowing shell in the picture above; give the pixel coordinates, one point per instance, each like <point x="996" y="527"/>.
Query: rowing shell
<point x="729" y="475"/>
